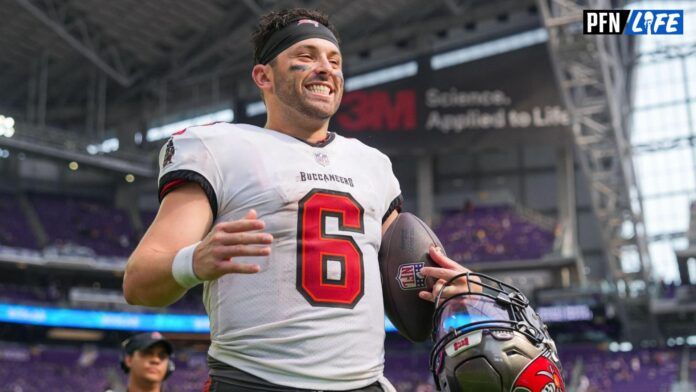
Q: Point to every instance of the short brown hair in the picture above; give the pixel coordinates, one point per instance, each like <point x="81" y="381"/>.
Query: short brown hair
<point x="276" y="20"/>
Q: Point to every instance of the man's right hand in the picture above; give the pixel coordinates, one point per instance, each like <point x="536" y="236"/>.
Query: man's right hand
<point x="215" y="255"/>
<point x="185" y="217"/>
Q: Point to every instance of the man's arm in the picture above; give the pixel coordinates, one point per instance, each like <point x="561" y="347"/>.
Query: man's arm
<point x="389" y="221"/>
<point x="184" y="218"/>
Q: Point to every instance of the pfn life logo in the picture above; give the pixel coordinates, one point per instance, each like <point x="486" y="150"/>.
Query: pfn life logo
<point x="633" y="22"/>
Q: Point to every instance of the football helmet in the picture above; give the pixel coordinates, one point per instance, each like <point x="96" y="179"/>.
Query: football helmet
<point x="488" y="339"/>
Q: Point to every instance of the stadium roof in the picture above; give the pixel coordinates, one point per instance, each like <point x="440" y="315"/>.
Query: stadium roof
<point x="124" y="63"/>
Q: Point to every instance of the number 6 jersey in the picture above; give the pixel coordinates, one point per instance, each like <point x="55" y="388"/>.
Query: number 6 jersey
<point x="313" y="317"/>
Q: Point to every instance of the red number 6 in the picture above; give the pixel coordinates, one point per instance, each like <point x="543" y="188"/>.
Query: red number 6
<point x="329" y="266"/>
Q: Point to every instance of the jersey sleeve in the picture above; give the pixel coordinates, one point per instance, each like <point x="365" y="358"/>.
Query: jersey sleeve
<point x="185" y="158"/>
<point x="393" y="200"/>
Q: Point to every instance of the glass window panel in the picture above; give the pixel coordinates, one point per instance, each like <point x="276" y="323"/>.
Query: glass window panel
<point x="665" y="172"/>
<point x="661" y="88"/>
<point x="659" y="123"/>
<point x="680" y="243"/>
<point x="649" y="184"/>
<point x="659" y="82"/>
<point x="668" y="214"/>
<point x="691" y="75"/>
<point x="664" y="261"/>
<point x="630" y="261"/>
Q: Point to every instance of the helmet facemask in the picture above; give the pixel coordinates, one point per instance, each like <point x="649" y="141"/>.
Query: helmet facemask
<point x="486" y="336"/>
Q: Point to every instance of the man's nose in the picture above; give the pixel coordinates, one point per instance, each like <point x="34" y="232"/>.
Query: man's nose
<point x="324" y="66"/>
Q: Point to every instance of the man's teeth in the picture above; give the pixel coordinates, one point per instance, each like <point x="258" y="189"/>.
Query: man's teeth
<point x="319" y="89"/>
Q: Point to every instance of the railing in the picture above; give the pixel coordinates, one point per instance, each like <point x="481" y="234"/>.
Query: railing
<point x="37" y="257"/>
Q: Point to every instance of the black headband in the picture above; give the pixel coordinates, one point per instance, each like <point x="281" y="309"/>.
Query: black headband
<point x="291" y="34"/>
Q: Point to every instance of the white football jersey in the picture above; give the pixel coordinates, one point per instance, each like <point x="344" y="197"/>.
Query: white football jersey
<point x="313" y="317"/>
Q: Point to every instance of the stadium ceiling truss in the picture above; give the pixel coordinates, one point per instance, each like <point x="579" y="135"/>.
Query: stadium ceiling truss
<point x="591" y="74"/>
<point x="593" y="77"/>
<point x="82" y="37"/>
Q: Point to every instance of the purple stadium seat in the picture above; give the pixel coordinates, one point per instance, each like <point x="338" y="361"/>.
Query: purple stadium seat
<point x="492" y="234"/>
<point x="85" y="222"/>
<point x="14" y="230"/>
<point x="406" y="367"/>
<point x="636" y="371"/>
<point x="60" y="368"/>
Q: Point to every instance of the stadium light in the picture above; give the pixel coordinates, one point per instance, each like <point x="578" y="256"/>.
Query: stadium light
<point x="7" y="126"/>
<point x="166" y="131"/>
<point x="255" y="108"/>
<point x="488" y="49"/>
<point x="380" y="76"/>
<point x="108" y="145"/>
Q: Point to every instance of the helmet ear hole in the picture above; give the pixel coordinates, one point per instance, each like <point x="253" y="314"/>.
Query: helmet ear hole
<point x="478" y="375"/>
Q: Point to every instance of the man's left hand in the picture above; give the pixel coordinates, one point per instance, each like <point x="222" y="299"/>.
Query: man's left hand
<point x="450" y="269"/>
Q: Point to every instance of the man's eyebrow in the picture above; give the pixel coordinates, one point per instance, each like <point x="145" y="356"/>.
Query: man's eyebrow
<point x="315" y="48"/>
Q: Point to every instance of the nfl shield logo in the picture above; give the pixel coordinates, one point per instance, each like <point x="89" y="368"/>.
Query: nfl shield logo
<point x="321" y="158"/>
<point x="409" y="276"/>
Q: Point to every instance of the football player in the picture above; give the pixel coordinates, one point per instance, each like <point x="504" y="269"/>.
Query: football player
<point x="281" y="224"/>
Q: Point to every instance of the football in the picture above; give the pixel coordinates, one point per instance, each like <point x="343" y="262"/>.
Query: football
<point x="404" y="251"/>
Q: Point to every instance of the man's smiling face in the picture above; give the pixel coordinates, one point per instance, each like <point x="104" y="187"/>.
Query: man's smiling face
<point x="308" y="78"/>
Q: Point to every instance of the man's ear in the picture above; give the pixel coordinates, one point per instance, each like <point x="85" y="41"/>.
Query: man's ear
<point x="262" y="76"/>
<point x="128" y="360"/>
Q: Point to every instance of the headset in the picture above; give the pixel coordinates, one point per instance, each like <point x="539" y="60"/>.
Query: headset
<point x="122" y="361"/>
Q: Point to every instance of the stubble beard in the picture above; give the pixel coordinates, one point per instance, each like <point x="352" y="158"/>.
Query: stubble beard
<point x="288" y="95"/>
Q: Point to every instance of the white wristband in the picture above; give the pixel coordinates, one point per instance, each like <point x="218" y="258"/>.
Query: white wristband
<point x="182" y="267"/>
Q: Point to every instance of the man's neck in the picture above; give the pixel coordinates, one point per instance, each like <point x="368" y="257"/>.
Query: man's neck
<point x="136" y="386"/>
<point x="309" y="130"/>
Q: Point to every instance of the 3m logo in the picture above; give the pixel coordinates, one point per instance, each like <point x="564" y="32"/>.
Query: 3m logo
<point x="633" y="22"/>
<point x="378" y="110"/>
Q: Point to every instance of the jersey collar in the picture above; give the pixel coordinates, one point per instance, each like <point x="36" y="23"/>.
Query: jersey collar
<point x="322" y="143"/>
